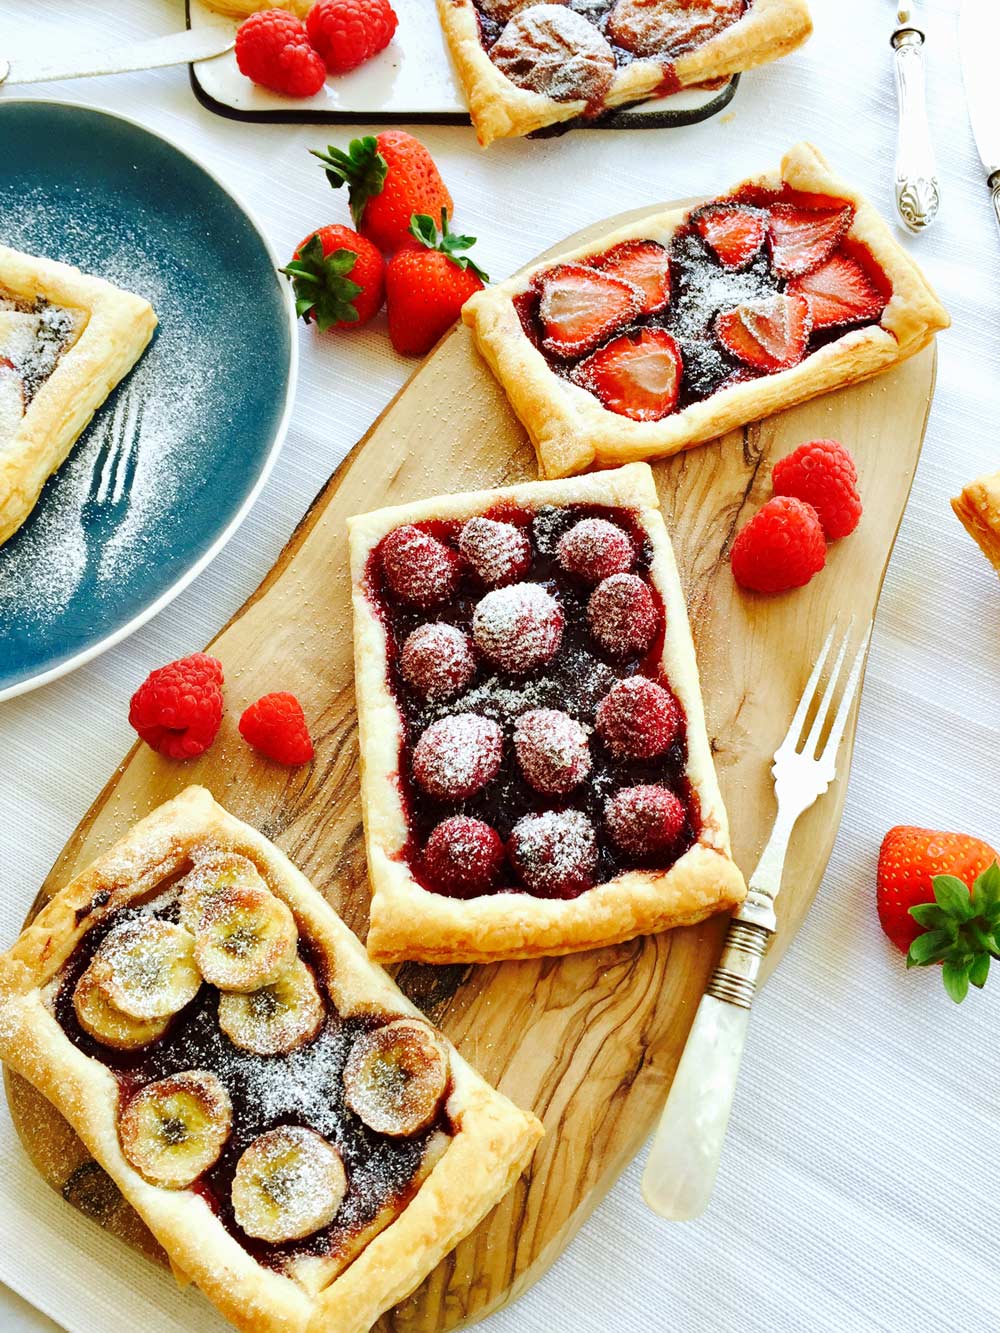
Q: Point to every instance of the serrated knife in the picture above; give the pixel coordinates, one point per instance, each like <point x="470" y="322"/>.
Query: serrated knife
<point x="918" y="196"/>
<point x="979" y="39"/>
<point x="177" y="48"/>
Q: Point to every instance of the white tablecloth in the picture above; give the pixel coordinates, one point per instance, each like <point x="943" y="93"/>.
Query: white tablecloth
<point x="857" y="1189"/>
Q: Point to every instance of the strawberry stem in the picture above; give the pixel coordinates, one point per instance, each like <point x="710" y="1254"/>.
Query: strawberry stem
<point x="425" y="230"/>
<point x="324" y="294"/>
<point x="961" y="931"/>
<point x="362" y="169"/>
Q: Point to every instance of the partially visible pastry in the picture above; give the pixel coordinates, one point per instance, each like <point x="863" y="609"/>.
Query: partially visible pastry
<point x="239" y="9"/>
<point x="978" y="508"/>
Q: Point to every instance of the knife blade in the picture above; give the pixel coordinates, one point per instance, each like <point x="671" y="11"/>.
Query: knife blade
<point x="979" y="34"/>
<point x="176" y="48"/>
<point x="918" y="195"/>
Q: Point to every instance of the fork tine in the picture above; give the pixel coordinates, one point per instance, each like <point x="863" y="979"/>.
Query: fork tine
<point x="113" y="452"/>
<point x="823" y="711"/>
<point x="850" y="689"/>
<point x="798" y="720"/>
<point x="129" y="457"/>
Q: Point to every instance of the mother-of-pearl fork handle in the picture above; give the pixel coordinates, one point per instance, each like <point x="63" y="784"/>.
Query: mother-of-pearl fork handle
<point x="684" y="1159"/>
<point x="917" y="194"/>
<point x="994" y="184"/>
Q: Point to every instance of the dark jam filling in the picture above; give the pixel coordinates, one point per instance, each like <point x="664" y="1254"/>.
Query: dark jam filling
<point x="597" y="12"/>
<point x="56" y="328"/>
<point x="700" y="290"/>
<point x="304" y="1087"/>
<point x="575" y="682"/>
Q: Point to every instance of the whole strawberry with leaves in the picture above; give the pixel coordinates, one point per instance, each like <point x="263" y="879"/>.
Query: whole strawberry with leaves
<point x="338" y="278"/>
<point x="938" y="897"/>
<point x="426" y="287"/>
<point x="389" y="177"/>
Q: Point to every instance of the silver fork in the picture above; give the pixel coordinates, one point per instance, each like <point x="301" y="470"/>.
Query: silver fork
<point x="684" y="1159"/>
<point x="117" y="458"/>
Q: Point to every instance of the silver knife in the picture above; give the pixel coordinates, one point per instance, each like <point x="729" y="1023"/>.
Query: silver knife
<point x="177" y="48"/>
<point x="979" y="35"/>
<point x="917" y="194"/>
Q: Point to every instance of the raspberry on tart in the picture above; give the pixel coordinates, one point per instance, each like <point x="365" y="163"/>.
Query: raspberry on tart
<point x="623" y="615"/>
<point x="457" y="755"/>
<point x="498" y="552"/>
<point x="594" y="549"/>
<point x="437" y="660"/>
<point x="552" y="750"/>
<point x="518" y="628"/>
<point x="645" y="820"/>
<point x="487" y="804"/>
<point x="418" y="568"/>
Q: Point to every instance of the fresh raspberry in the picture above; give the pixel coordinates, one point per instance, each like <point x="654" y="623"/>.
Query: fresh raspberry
<point x="638" y="719"/>
<point x="781" y="547"/>
<point x="178" y="707"/>
<point x="594" y="549"/>
<point x="645" y="821"/>
<point x="518" y="628"/>
<point x="346" y="33"/>
<point x="463" y="856"/>
<point x="276" y="726"/>
<point x="552" y="750"/>
<point x="498" y="552"/>
<point x="418" y="568"/>
<point x="822" y="473"/>
<point x="437" y="661"/>
<point x="273" y="49"/>
<point x="554" y="853"/>
<point x="457" y="755"/>
<point x="623" y="615"/>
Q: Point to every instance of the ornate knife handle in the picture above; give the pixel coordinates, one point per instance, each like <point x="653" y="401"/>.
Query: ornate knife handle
<point x="917" y="193"/>
<point x="994" y="184"/>
<point x="684" y="1158"/>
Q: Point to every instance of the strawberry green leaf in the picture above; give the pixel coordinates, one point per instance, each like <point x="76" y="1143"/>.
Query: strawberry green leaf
<point x="362" y="169"/>
<point x="979" y="971"/>
<point x="986" y="890"/>
<point x="929" y="948"/>
<point x="929" y="915"/>
<point x="956" y="980"/>
<point x="952" y="896"/>
<point x="425" y="230"/>
<point x="324" y="294"/>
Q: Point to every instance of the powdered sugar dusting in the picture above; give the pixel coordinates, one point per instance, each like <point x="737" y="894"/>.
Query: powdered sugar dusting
<point x="518" y="628"/>
<point x="555" y="852"/>
<point x="457" y="755"/>
<point x="552" y="50"/>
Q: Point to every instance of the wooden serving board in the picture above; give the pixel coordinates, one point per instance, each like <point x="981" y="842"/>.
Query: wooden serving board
<point x="589" y="1042"/>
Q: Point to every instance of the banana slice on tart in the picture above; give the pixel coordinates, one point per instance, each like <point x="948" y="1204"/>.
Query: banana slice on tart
<point x="147" y="969"/>
<point x="213" y="874"/>
<point x="288" y="1184"/>
<point x="101" y="1020"/>
<point x="396" y="1076"/>
<point x="245" y="940"/>
<point x="277" y="1018"/>
<point x="173" y="1130"/>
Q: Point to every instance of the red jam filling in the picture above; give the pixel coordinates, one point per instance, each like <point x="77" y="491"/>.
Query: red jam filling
<point x="304" y="1087"/>
<point x="506" y="771"/>
<point x="758" y="282"/>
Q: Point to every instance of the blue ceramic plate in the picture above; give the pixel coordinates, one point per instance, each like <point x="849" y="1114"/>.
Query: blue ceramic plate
<point x="203" y="413"/>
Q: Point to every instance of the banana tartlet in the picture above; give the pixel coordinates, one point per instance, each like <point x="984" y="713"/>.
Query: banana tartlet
<point x="301" y="1141"/>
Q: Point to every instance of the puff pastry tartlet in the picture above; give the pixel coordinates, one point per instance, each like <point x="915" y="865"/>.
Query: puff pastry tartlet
<point x="978" y="508"/>
<point x="524" y="65"/>
<point x="66" y="339"/>
<point x="300" y="1140"/>
<point x="672" y="330"/>
<point x="536" y="774"/>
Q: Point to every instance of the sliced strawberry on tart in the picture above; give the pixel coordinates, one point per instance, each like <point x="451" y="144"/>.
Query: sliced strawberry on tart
<point x="690" y="322"/>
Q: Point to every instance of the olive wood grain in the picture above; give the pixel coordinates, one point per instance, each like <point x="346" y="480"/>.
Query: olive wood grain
<point x="590" y="1042"/>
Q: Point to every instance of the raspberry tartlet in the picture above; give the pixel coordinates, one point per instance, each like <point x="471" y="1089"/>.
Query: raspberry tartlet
<point x="679" y="327"/>
<point x="542" y="781"/>
<point x="265" y="1098"/>
<point x="525" y="65"/>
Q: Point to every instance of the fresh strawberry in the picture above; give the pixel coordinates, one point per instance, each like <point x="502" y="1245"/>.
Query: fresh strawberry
<point x="822" y="472"/>
<point x="781" y="547"/>
<point x="646" y="265"/>
<point x="803" y="238"/>
<point x="734" y="232"/>
<point x="769" y="334"/>
<point x="273" y="50"/>
<point x="938" y="898"/>
<point x="338" y="279"/>
<point x="637" y="376"/>
<point x="579" y="307"/>
<point x="839" y="292"/>
<point x="346" y="33"/>
<point x="426" y="288"/>
<point x="389" y="178"/>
